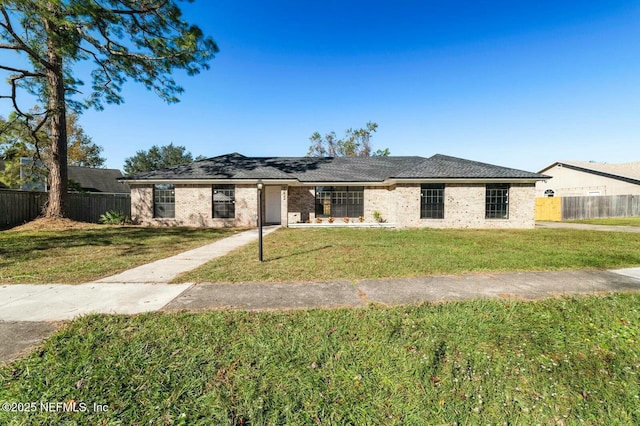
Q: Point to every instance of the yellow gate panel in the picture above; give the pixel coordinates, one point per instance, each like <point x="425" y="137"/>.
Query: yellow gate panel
<point x="549" y="209"/>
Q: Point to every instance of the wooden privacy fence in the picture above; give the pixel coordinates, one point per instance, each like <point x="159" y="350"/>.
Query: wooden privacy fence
<point x="549" y="209"/>
<point x="17" y="207"/>
<point x="600" y="206"/>
<point x="593" y="207"/>
<point x="89" y="207"/>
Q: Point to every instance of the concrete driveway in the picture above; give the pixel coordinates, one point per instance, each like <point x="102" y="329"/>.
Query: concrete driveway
<point x="18" y="338"/>
<point x="587" y="227"/>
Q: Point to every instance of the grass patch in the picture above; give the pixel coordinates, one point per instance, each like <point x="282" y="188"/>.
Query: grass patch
<point x="81" y="255"/>
<point x="558" y="361"/>
<point x="327" y="254"/>
<point x="612" y="221"/>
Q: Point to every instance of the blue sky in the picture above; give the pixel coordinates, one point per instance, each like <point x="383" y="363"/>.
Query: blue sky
<point x="514" y="83"/>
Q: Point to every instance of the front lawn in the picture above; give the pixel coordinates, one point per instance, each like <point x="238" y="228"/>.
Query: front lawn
<point x="80" y="255"/>
<point x="612" y="221"/>
<point x="343" y="253"/>
<point x="558" y="361"/>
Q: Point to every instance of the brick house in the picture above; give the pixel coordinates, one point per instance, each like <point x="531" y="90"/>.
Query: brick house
<point x="440" y="191"/>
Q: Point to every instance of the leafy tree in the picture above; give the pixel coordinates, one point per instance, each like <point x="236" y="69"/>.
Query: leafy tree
<point x="14" y="144"/>
<point x="81" y="150"/>
<point x="382" y="153"/>
<point x="141" y="40"/>
<point x="355" y="143"/>
<point x="17" y="141"/>
<point x="157" y="158"/>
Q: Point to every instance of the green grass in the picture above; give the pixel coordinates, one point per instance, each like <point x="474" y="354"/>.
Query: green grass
<point x="327" y="254"/>
<point x="81" y="255"/>
<point x="558" y="361"/>
<point x="613" y="221"/>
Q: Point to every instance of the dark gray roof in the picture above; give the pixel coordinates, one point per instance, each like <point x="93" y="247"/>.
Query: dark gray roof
<point x="354" y="169"/>
<point x="93" y="180"/>
<point x="334" y="169"/>
<point x="444" y="166"/>
<point x="98" y="180"/>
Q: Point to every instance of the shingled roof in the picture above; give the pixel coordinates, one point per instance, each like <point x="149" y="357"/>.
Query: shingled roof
<point x="444" y="166"/>
<point x="92" y="179"/>
<point x="333" y="169"/>
<point x="625" y="172"/>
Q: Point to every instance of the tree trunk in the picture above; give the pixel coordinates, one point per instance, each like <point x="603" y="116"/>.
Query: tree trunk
<point x="58" y="175"/>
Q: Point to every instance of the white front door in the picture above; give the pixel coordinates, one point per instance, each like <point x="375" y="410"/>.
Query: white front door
<point x="272" y="204"/>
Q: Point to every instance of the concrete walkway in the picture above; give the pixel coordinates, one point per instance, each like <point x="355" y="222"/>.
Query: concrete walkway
<point x="17" y="338"/>
<point x="137" y="290"/>
<point x="28" y="313"/>
<point x="403" y="291"/>
<point x="586" y="226"/>
<point x="165" y="270"/>
<point x="31" y="313"/>
<point x="58" y="302"/>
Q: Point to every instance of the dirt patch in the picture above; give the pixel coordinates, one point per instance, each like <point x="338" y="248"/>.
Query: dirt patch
<point x="51" y="224"/>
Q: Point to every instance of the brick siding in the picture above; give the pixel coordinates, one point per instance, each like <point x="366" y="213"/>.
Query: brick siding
<point x="464" y="206"/>
<point x="194" y="207"/>
<point x="301" y="205"/>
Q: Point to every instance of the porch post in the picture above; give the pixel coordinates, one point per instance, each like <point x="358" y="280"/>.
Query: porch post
<point x="260" y="221"/>
<point x="284" y="206"/>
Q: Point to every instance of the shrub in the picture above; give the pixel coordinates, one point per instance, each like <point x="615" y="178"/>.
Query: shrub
<point x="113" y="217"/>
<point x="378" y="217"/>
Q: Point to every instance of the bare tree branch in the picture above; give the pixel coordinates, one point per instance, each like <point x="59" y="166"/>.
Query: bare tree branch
<point x="22" y="45"/>
<point x="24" y="73"/>
<point x="14" y="96"/>
<point x="36" y="138"/>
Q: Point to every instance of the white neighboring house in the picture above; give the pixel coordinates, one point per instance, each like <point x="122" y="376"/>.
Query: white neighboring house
<point x="578" y="178"/>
